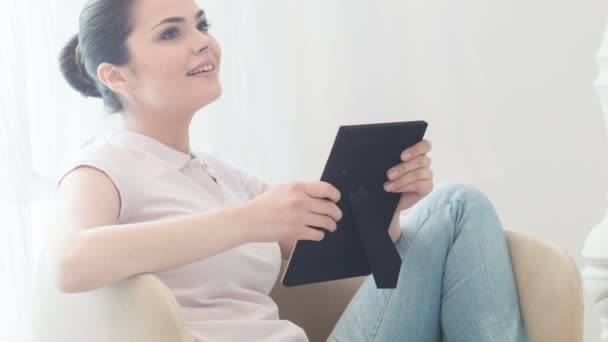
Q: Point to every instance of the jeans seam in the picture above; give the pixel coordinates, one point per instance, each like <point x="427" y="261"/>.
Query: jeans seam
<point x="433" y="211"/>
<point x="379" y="322"/>
<point x="471" y="203"/>
<point x="492" y="295"/>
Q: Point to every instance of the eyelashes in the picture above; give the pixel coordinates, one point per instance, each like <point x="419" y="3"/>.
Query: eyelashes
<point x="203" y="26"/>
<point x="173" y="32"/>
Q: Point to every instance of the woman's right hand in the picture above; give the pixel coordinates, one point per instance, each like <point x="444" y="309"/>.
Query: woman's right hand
<point x="290" y="211"/>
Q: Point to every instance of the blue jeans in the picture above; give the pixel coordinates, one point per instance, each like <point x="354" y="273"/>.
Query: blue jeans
<point x="456" y="281"/>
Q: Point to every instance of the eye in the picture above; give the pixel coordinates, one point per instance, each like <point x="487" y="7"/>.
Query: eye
<point x="203" y="26"/>
<point x="170" y="33"/>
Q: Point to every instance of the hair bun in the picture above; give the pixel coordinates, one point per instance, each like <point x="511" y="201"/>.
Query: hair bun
<point x="73" y="70"/>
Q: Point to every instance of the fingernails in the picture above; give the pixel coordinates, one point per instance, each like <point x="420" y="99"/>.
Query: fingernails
<point x="392" y="174"/>
<point x="389" y="186"/>
<point x="405" y="156"/>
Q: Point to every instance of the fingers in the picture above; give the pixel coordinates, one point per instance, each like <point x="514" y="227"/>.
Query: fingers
<point x="321" y="221"/>
<point x="421" y="187"/>
<point x="312" y="234"/>
<point x="316" y="227"/>
<point x="397" y="171"/>
<point x="413" y="176"/>
<point x="423" y="147"/>
<point x="321" y="190"/>
<point x="315" y="205"/>
<point x="323" y="214"/>
<point x="325" y="207"/>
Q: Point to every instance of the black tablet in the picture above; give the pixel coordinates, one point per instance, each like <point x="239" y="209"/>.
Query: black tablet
<point x="357" y="165"/>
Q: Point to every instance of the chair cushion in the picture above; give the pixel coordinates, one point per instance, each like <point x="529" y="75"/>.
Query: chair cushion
<point x="547" y="279"/>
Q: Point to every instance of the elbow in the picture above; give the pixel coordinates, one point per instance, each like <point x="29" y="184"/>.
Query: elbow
<point x="65" y="276"/>
<point x="67" y="272"/>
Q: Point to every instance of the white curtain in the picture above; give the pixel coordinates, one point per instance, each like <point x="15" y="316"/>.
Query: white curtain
<point x="41" y="122"/>
<point x="15" y="181"/>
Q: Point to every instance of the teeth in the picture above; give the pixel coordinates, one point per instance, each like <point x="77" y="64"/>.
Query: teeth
<point x="206" y="68"/>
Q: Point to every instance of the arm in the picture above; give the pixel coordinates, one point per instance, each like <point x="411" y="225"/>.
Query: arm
<point x="88" y="250"/>
<point x="287" y="245"/>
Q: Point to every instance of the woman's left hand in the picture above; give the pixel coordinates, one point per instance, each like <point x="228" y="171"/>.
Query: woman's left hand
<point x="413" y="177"/>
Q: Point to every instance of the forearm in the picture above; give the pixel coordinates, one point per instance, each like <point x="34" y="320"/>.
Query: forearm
<point x="99" y="256"/>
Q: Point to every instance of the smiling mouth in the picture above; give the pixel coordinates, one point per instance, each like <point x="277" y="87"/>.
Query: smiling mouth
<point x="202" y="70"/>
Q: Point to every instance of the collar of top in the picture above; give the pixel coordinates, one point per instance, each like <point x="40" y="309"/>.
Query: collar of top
<point x="147" y="144"/>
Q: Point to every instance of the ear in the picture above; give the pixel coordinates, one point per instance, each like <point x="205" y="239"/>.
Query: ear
<point x="112" y="77"/>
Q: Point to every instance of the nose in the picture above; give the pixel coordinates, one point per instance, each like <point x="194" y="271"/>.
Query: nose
<point x="201" y="44"/>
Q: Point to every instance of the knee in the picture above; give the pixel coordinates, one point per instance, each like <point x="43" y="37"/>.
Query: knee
<point x="450" y="209"/>
<point x="462" y="199"/>
<point x="458" y="192"/>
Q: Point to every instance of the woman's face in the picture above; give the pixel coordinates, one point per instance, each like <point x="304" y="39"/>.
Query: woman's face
<point x="174" y="62"/>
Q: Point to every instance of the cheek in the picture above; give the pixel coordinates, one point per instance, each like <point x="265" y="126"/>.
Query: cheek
<point x="163" y="79"/>
<point x="162" y="74"/>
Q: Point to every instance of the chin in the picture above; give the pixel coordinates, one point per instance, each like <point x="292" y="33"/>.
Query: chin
<point x="208" y="96"/>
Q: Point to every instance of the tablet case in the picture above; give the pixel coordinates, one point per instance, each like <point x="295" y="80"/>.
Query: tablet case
<point x="357" y="165"/>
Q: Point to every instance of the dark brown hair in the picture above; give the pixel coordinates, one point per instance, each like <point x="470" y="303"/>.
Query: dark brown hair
<point x="104" y="27"/>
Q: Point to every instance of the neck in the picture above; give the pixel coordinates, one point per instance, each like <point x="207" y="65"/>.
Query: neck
<point x="172" y="131"/>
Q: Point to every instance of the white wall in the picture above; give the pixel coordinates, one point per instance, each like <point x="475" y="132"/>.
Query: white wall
<point x="505" y="85"/>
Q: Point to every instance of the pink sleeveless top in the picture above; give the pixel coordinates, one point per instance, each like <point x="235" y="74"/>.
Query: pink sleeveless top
<point x="224" y="297"/>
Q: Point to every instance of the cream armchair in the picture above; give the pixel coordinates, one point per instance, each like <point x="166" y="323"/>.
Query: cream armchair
<point x="141" y="309"/>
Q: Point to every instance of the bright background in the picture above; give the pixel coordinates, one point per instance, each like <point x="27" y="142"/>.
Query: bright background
<point x="506" y="87"/>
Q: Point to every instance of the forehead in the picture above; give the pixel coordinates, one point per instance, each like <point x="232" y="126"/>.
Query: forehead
<point x="147" y="13"/>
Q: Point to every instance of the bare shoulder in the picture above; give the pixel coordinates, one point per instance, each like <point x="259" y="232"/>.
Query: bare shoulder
<point x="86" y="198"/>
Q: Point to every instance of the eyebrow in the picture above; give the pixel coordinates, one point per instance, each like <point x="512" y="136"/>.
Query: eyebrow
<point x="198" y="15"/>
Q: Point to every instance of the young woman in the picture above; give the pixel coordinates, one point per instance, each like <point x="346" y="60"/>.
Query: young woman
<point x="141" y="201"/>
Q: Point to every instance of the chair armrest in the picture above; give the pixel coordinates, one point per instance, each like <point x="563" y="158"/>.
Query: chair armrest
<point x="549" y="289"/>
<point x="138" y="309"/>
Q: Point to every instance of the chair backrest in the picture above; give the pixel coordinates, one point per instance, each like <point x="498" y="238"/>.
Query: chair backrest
<point x="549" y="289"/>
<point x="137" y="309"/>
<point x="315" y="307"/>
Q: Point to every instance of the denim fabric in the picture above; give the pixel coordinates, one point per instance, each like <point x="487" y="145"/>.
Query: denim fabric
<point x="456" y="281"/>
